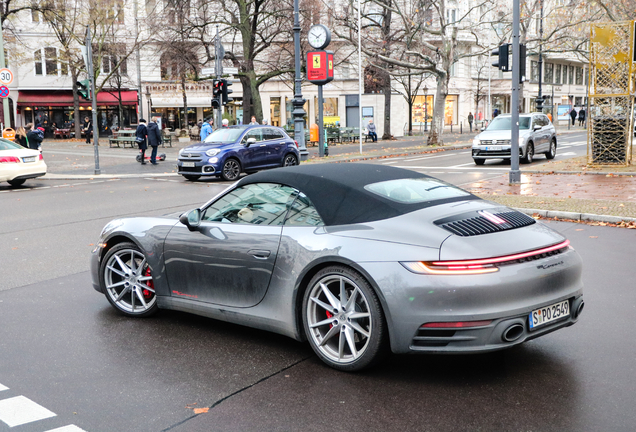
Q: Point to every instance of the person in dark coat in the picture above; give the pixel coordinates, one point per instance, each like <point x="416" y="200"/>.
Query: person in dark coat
<point x="87" y="128"/>
<point x="21" y="135"/>
<point x="573" y="116"/>
<point x="35" y="138"/>
<point x="582" y="117"/>
<point x="154" y="139"/>
<point x="141" y="136"/>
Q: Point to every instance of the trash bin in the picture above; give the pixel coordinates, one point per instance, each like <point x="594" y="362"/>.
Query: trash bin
<point x="9" y="134"/>
<point x="314" y="133"/>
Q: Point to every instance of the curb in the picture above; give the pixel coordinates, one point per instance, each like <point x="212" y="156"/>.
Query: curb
<point x="550" y="214"/>
<point x="51" y="176"/>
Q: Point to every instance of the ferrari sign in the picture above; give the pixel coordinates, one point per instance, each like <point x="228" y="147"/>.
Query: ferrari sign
<point x="319" y="67"/>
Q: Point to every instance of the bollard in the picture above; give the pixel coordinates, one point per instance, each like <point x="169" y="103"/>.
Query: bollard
<point x="451" y="127"/>
<point x="461" y="128"/>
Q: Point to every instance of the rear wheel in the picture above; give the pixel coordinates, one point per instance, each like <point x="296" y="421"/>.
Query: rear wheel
<point x="552" y="152"/>
<point x="126" y="279"/>
<point x="343" y="319"/>
<point x="479" y="161"/>
<point x="191" y="177"/>
<point x="528" y="158"/>
<point x="16" y="182"/>
<point x="231" y="170"/>
<point x="290" y="160"/>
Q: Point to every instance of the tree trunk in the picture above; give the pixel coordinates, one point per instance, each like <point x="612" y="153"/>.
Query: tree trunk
<point x="386" y="35"/>
<point x="76" y="104"/>
<point x="247" y="99"/>
<point x="410" y="103"/>
<point x="437" y="125"/>
<point x="185" y="101"/>
<point x="387" y="109"/>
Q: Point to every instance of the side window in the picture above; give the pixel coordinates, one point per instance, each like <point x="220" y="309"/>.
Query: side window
<point x="546" y="120"/>
<point x="257" y="134"/>
<point x="258" y="204"/>
<point x="274" y="134"/>
<point x="303" y="213"/>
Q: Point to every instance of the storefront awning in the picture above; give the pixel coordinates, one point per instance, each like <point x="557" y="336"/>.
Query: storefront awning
<point x="177" y="102"/>
<point x="65" y="98"/>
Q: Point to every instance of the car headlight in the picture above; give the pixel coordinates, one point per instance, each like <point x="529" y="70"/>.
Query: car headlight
<point x="476" y="141"/>
<point x="212" y="152"/>
<point x="181" y="151"/>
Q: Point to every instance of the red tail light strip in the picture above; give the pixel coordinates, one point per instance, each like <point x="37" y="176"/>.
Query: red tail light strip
<point x="457" y="324"/>
<point x="502" y="259"/>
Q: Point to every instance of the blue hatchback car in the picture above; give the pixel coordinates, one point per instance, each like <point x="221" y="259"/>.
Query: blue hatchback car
<point x="229" y="151"/>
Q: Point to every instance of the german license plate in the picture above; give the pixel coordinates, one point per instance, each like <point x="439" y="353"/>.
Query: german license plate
<point x="187" y="164"/>
<point x="548" y="314"/>
<point x="28" y="159"/>
<point x="493" y="148"/>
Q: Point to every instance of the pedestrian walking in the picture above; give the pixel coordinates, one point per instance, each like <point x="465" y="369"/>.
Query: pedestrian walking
<point x="206" y="128"/>
<point x="21" y="135"/>
<point x="372" y="132"/>
<point x="141" y="136"/>
<point x="582" y="117"/>
<point x="573" y="116"/>
<point x="87" y="128"/>
<point x="470" y="120"/>
<point x="253" y="122"/>
<point x="154" y="138"/>
<point x="35" y="138"/>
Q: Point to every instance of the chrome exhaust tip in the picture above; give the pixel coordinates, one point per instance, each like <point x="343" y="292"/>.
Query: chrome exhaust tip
<point x="512" y="333"/>
<point x="579" y="309"/>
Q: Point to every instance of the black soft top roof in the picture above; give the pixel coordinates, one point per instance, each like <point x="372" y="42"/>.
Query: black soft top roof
<point x="337" y="190"/>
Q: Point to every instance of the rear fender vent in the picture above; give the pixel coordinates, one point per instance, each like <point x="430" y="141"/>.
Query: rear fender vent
<point x="485" y="222"/>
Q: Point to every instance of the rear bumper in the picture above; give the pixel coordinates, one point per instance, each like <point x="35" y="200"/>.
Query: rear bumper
<point x="20" y="171"/>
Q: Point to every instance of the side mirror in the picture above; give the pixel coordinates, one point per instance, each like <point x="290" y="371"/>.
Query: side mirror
<point x="191" y="219"/>
<point x="250" y="141"/>
<point x="483" y="128"/>
<point x="537" y="127"/>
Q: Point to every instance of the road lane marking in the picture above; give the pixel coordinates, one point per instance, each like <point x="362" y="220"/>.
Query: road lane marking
<point x="390" y="162"/>
<point x="20" y="410"/>
<point x="454" y="167"/>
<point x="462" y="165"/>
<point x="427" y="157"/>
<point x="3" y="387"/>
<point x="69" y="428"/>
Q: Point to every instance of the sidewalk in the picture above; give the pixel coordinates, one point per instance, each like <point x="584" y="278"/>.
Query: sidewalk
<point x="563" y="189"/>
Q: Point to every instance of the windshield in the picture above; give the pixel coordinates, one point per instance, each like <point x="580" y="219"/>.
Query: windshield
<point x="504" y="123"/>
<point x="224" y="136"/>
<point x="411" y="191"/>
<point x="8" y="145"/>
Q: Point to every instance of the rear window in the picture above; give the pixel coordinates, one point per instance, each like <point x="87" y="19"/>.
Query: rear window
<point x="412" y="191"/>
<point x="8" y="145"/>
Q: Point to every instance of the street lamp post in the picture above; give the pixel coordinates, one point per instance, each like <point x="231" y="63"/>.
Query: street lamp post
<point x="425" y="109"/>
<point x="539" y="100"/>
<point x="299" y="102"/>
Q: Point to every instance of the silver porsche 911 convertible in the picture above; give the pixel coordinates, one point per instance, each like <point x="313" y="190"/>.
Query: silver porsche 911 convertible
<point x="355" y="258"/>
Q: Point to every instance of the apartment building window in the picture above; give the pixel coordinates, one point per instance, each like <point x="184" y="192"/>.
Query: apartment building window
<point x="109" y="64"/>
<point x="557" y="74"/>
<point x="579" y="75"/>
<point x="452" y="71"/>
<point x="50" y="61"/>
<point x="451" y="16"/>
<point x="35" y="14"/>
<point x="534" y="71"/>
<point x="38" y="62"/>
<point x="549" y="73"/>
<point x="571" y="79"/>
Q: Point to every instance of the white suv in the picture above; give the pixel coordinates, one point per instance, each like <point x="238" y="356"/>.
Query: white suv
<point x="536" y="135"/>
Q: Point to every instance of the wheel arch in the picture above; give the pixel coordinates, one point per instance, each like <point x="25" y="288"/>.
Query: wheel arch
<point x="312" y="269"/>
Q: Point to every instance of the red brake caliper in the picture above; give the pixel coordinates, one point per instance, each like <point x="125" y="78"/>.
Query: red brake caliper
<point x="329" y="315"/>
<point x="148" y="294"/>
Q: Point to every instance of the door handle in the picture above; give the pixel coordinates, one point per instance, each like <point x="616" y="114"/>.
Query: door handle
<point x="260" y="254"/>
<point x="263" y="145"/>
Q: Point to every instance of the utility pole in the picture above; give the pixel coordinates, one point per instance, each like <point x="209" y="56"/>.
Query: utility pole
<point x="515" y="174"/>
<point x="218" y="69"/>
<point x="91" y="77"/>
<point x="539" y="100"/>
<point x="299" y="102"/>
<point x="141" y="107"/>
<point x="3" y="64"/>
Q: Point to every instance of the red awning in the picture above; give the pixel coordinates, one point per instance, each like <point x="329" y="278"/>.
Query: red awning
<point x="59" y="98"/>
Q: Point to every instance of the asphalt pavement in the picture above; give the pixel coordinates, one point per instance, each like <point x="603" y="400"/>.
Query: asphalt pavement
<point x="546" y="191"/>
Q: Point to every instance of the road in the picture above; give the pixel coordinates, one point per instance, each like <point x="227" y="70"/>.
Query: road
<point x="66" y="357"/>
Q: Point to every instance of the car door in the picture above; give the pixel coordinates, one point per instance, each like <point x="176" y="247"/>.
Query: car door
<point x="276" y="145"/>
<point x="254" y="156"/>
<point x="229" y="259"/>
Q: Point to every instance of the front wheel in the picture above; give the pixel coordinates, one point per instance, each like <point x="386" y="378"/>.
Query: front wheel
<point x="16" y="182"/>
<point x="191" y="177"/>
<point x="290" y="160"/>
<point x="529" y="154"/>
<point x="343" y="319"/>
<point x="552" y="152"/>
<point x="231" y="170"/>
<point x="126" y="279"/>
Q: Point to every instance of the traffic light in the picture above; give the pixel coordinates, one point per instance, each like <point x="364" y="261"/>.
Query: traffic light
<point x="84" y="89"/>
<point x="226" y="91"/>
<point x="522" y="63"/>
<point x="215" y="103"/>
<point x="216" y="88"/>
<point x="502" y="61"/>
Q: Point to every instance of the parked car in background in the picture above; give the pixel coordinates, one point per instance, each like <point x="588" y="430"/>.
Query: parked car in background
<point x="229" y="151"/>
<point x="536" y="135"/>
<point x="18" y="164"/>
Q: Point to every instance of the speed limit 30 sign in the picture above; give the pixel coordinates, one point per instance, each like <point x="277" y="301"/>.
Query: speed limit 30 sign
<point x="6" y="76"/>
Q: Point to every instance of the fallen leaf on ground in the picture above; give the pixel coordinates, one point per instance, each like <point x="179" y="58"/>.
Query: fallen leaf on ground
<point x="579" y="229"/>
<point x="201" y="410"/>
<point x="593" y="236"/>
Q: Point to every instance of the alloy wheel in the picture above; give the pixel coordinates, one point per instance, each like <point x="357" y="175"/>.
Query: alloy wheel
<point x="128" y="282"/>
<point x="290" y="160"/>
<point x="231" y="170"/>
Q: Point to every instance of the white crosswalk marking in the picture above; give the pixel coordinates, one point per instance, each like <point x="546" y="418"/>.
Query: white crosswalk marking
<point x="69" y="428"/>
<point x="20" y="410"/>
<point x="3" y="387"/>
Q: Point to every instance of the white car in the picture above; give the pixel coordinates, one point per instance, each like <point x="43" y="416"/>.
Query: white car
<point x="18" y="164"/>
<point x="536" y="135"/>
